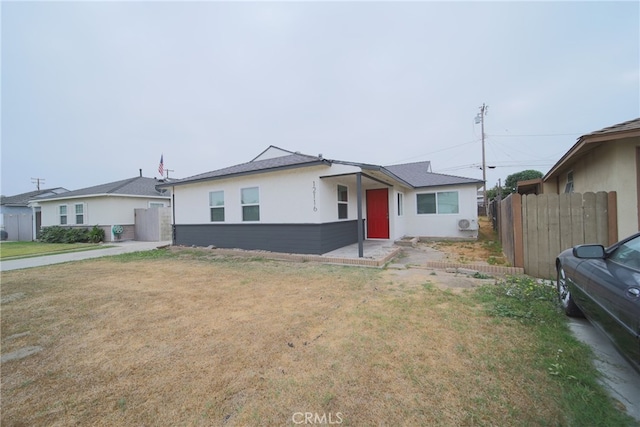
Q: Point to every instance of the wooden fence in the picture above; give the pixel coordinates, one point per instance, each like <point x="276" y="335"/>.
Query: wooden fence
<point x="534" y="229"/>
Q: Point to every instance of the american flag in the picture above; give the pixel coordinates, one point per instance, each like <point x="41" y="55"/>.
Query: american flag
<point x="161" y="166"/>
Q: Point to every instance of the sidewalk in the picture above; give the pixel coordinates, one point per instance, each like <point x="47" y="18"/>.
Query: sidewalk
<point x="116" y="248"/>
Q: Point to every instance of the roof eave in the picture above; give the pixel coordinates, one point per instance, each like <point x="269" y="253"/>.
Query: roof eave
<point x="91" y="196"/>
<point x="237" y="174"/>
<point x="585" y="140"/>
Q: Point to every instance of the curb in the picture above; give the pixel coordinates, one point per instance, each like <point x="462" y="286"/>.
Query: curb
<point x="362" y="262"/>
<point x="494" y="269"/>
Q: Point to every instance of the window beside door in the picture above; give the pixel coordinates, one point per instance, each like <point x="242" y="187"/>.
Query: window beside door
<point x="343" y="202"/>
<point x="443" y="202"/>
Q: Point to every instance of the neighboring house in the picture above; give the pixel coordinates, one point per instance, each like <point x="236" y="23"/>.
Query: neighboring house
<point x="284" y="201"/>
<point x="17" y="219"/>
<point x="605" y="160"/>
<point x="110" y="206"/>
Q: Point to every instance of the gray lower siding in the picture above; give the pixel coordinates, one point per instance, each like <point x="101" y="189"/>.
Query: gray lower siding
<point x="290" y="238"/>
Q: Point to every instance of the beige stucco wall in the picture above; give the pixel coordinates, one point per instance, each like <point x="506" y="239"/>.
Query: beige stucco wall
<point x="104" y="210"/>
<point x="609" y="167"/>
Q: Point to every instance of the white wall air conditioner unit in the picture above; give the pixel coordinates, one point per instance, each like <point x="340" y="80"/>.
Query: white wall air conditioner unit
<point x="467" y="224"/>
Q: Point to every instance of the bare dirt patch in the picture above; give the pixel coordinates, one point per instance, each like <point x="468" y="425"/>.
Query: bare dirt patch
<point x="195" y="341"/>
<point x="485" y="250"/>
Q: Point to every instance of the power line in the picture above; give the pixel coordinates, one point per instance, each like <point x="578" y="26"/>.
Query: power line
<point x="533" y="134"/>
<point x="437" y="151"/>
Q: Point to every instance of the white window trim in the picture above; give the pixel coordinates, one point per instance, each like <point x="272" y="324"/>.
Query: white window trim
<point x="437" y="212"/>
<point x="242" y="205"/>
<point x="75" y="214"/>
<point x="400" y="204"/>
<point x="218" y="206"/>
<point x="156" y="203"/>
<point x="340" y="202"/>
<point x="66" y="215"/>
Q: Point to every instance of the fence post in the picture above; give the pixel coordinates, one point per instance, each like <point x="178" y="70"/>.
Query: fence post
<point x="516" y="214"/>
<point x="612" y="216"/>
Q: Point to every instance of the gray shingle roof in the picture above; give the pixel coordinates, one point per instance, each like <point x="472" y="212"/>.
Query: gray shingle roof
<point x="23" y="199"/>
<point x="291" y="161"/>
<point x="620" y="127"/>
<point x="138" y="186"/>
<point x="416" y="174"/>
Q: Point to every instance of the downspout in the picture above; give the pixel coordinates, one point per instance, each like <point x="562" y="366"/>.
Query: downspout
<point x="360" y="222"/>
<point x="173" y="216"/>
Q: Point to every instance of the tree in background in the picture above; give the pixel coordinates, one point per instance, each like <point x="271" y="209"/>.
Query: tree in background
<point x="511" y="183"/>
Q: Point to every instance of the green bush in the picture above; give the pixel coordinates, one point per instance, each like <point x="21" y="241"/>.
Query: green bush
<point x="96" y="234"/>
<point x="58" y="234"/>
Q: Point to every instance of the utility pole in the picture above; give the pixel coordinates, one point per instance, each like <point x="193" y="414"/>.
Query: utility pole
<point x="37" y="181"/>
<point x="480" y="118"/>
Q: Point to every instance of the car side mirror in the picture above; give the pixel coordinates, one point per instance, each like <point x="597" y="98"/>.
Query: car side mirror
<point x="589" y="251"/>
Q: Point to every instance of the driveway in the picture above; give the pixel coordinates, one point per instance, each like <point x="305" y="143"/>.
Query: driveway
<point x="114" y="249"/>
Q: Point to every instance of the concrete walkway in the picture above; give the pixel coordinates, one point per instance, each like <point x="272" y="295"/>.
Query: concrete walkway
<point x="115" y="249"/>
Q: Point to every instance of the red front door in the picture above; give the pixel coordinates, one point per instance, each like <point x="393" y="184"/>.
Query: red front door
<point x="378" y="214"/>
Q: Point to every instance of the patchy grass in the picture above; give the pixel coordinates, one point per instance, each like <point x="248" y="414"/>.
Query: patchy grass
<point x="487" y="249"/>
<point x="9" y="250"/>
<point x="553" y="347"/>
<point x="177" y="338"/>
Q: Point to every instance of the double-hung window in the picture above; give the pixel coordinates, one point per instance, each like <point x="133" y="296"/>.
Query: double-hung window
<point x="62" y="211"/>
<point x="250" y="201"/>
<point x="444" y="202"/>
<point x="216" y="206"/>
<point x="343" y="202"/>
<point x="79" y="213"/>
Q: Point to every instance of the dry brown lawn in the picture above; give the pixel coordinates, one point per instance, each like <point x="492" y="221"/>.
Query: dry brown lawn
<point x="485" y="250"/>
<point x="189" y="340"/>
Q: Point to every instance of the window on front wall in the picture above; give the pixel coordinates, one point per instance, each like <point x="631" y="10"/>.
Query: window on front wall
<point x="250" y="200"/>
<point x="62" y="210"/>
<point x="400" y="204"/>
<point x="343" y="202"/>
<point x="80" y="213"/>
<point x="216" y="206"/>
<point x="444" y="202"/>
<point x="156" y="205"/>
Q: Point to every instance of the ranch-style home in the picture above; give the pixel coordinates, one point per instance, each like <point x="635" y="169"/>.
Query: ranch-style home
<point x="284" y="201"/>
<point x="117" y="207"/>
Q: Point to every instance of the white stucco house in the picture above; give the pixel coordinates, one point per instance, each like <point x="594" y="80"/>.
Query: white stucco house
<point x="284" y="201"/>
<point x="110" y="206"/>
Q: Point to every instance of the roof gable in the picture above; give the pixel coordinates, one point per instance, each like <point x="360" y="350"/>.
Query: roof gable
<point x="628" y="129"/>
<point x="271" y="152"/>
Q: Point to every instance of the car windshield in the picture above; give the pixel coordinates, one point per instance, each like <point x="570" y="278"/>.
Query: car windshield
<point x="628" y="254"/>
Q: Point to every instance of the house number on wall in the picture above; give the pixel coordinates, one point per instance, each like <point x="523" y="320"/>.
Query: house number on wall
<point x="315" y="209"/>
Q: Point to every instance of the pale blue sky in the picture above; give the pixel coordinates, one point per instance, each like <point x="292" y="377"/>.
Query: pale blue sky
<point x="91" y="92"/>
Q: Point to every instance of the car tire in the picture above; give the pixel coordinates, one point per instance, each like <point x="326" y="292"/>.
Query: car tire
<point x="564" y="296"/>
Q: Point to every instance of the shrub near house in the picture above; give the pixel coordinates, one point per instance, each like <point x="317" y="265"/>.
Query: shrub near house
<point x="57" y="234"/>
